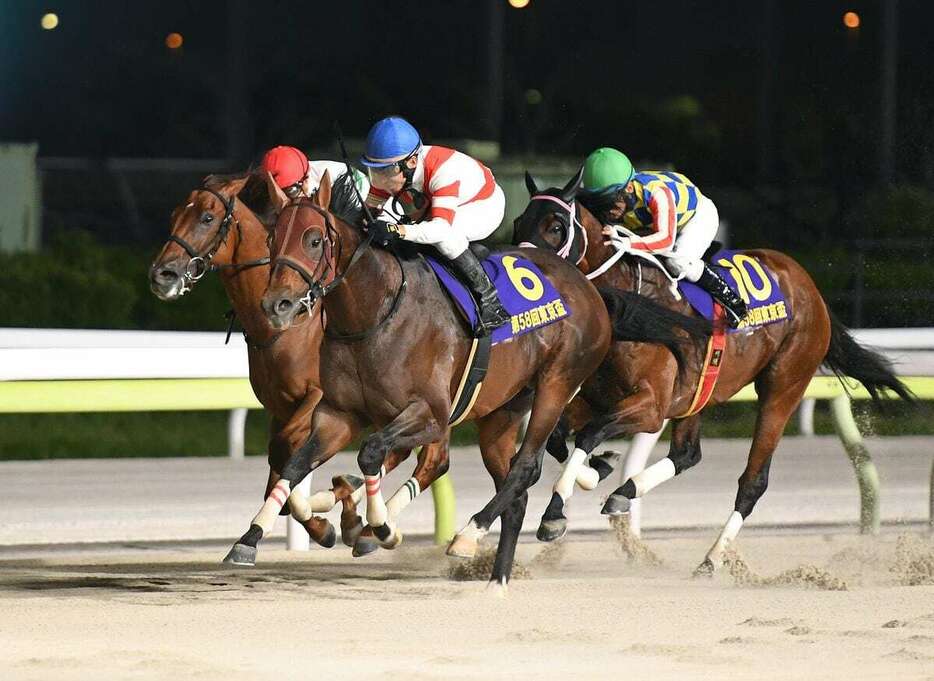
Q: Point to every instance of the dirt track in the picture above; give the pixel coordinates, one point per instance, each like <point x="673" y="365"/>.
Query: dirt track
<point x="585" y="611"/>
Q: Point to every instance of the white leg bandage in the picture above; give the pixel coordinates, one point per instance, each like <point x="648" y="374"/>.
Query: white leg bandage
<point x="653" y="476"/>
<point x="733" y="525"/>
<point x="299" y="505"/>
<point x="266" y="518"/>
<point x="376" y="514"/>
<point x="564" y="485"/>
<point x="402" y="498"/>
<point x="323" y="501"/>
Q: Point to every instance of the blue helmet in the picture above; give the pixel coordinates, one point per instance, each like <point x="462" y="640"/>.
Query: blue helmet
<point x="389" y="141"/>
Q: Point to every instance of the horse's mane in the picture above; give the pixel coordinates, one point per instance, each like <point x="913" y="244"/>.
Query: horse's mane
<point x="254" y="194"/>
<point x="345" y="202"/>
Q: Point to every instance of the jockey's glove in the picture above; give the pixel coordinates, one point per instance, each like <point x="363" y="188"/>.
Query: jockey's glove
<point x="384" y="232"/>
<point x="616" y="238"/>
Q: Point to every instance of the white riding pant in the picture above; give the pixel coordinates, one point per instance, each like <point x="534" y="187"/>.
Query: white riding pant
<point x="686" y="256"/>
<point x="472" y="222"/>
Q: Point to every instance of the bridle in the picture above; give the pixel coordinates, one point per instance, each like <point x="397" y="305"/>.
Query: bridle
<point x="565" y="250"/>
<point x="200" y="264"/>
<point x="615" y="240"/>
<point x="324" y="278"/>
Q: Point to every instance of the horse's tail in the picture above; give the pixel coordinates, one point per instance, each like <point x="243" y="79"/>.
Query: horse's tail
<point x="638" y="319"/>
<point x="846" y="357"/>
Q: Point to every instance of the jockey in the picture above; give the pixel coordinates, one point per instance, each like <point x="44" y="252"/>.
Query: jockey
<point x="297" y="176"/>
<point x="660" y="212"/>
<point x="448" y="198"/>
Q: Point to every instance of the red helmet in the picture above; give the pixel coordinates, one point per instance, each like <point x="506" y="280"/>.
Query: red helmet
<point x="287" y="165"/>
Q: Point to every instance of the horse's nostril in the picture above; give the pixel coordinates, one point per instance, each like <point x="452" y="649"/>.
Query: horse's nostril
<point x="283" y="306"/>
<point x="167" y="276"/>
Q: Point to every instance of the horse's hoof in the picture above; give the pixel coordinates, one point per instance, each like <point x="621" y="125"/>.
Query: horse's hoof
<point x="462" y="547"/>
<point x="351" y="529"/>
<point x="351" y="482"/>
<point x="321" y="531"/>
<point x="705" y="569"/>
<point x="497" y="588"/>
<point x="393" y="540"/>
<point x="365" y="545"/>
<point x="616" y="504"/>
<point x="329" y="539"/>
<point x="549" y="530"/>
<point x="242" y="555"/>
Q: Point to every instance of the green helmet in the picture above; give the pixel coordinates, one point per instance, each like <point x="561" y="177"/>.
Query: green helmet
<point x="607" y="167"/>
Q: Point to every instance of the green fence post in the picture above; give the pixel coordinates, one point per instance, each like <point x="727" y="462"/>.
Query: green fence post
<point x="866" y="474"/>
<point x="442" y="493"/>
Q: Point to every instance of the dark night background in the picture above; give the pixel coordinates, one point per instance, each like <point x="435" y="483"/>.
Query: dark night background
<point x="775" y="109"/>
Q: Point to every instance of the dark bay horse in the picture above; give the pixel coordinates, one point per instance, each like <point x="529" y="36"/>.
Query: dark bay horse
<point x="394" y="355"/>
<point x="216" y="230"/>
<point x="640" y="386"/>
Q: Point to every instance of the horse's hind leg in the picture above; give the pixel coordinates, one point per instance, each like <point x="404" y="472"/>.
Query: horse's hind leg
<point x="497" y="438"/>
<point x="525" y="469"/>
<point x="683" y="453"/>
<point x="641" y="411"/>
<point x="433" y="461"/>
<point x="779" y="396"/>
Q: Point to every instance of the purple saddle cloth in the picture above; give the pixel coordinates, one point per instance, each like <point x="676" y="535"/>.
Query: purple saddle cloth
<point x="525" y="292"/>
<point x="752" y="281"/>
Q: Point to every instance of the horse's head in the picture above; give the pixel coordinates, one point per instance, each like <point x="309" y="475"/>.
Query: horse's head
<point x="551" y="220"/>
<point x="303" y="256"/>
<point x="198" y="237"/>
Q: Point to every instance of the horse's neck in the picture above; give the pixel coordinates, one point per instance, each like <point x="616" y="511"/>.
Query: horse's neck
<point x="359" y="301"/>
<point x="245" y="287"/>
<point x="597" y="252"/>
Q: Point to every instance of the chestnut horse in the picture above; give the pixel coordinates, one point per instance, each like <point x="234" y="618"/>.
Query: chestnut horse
<point x="214" y="231"/>
<point x="395" y="350"/>
<point x="640" y="386"/>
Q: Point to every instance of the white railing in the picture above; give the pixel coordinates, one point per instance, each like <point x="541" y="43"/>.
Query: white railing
<point x="95" y="370"/>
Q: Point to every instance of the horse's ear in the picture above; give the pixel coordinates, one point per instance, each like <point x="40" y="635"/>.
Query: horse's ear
<point x="323" y="195"/>
<point x="530" y="184"/>
<point x="570" y="189"/>
<point x="277" y="198"/>
<point x="236" y="186"/>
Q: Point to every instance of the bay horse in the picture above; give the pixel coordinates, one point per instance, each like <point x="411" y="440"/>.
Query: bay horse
<point x="640" y="386"/>
<point x="223" y="227"/>
<point x="395" y="351"/>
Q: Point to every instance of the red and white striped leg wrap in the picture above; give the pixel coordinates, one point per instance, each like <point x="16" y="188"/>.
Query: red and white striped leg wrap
<point x="375" y="506"/>
<point x="278" y="495"/>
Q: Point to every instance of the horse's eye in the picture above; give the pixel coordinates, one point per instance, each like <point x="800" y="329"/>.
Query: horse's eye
<point x="207" y="218"/>
<point x="556" y="228"/>
<point x="315" y="243"/>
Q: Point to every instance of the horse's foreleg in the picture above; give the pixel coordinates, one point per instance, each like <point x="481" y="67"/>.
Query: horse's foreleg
<point x="289" y="438"/>
<point x="348" y="491"/>
<point x="416" y="425"/>
<point x="683" y="453"/>
<point x="329" y="432"/>
<point x="432" y="464"/>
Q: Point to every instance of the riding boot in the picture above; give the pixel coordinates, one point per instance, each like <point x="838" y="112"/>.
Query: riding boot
<point x="714" y="284"/>
<point x="492" y="313"/>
